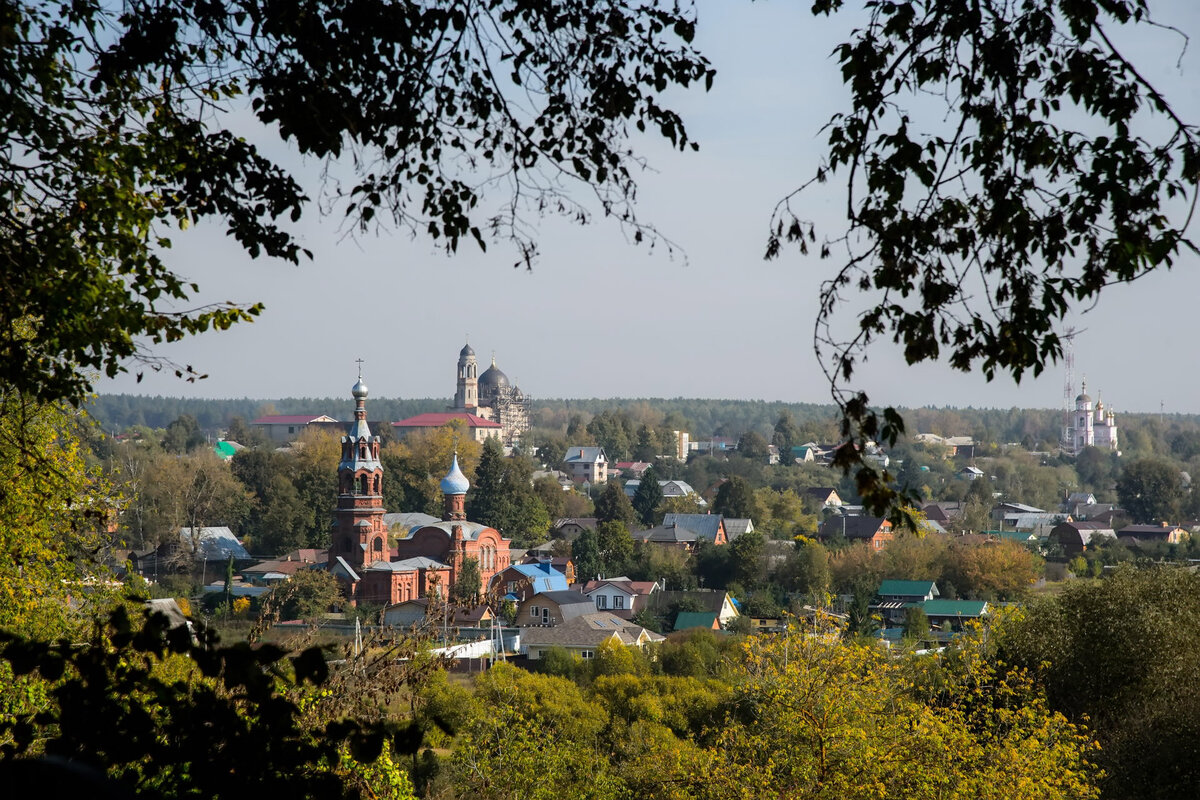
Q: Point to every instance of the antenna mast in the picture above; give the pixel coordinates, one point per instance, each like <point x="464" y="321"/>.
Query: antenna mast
<point x="1066" y="442"/>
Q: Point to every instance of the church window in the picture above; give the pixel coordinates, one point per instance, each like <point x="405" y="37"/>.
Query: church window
<point x="376" y="484"/>
<point x="362" y="482"/>
<point x="378" y="544"/>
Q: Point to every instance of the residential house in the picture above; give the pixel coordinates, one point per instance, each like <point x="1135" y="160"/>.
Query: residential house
<point x="895" y="596"/>
<point x="477" y="428"/>
<point x="633" y="469"/>
<point x="1003" y="512"/>
<point x="954" y="613"/>
<point x="520" y="582"/>
<point x="553" y="608"/>
<point x="1138" y="536"/>
<point x="876" y="531"/>
<point x="586" y="464"/>
<point x="211" y="545"/>
<point x="1094" y="512"/>
<point x="621" y="596"/>
<point x="970" y="473"/>
<point x="419" y="611"/>
<point x="283" y="428"/>
<point x="1076" y="537"/>
<point x="563" y="564"/>
<point x="669" y="489"/>
<point x="1039" y="524"/>
<point x="735" y="527"/>
<point x="569" y="528"/>
<point x="584" y="634"/>
<point x="674" y="536"/>
<point x="709" y="527"/>
<point x="692" y="620"/>
<point x="718" y="602"/>
<point x="826" y="496"/>
<point x="948" y="514"/>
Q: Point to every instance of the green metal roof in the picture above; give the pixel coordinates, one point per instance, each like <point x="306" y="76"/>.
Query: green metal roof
<point x="906" y="588"/>
<point x="955" y="608"/>
<point x="224" y="449"/>
<point x="695" y="619"/>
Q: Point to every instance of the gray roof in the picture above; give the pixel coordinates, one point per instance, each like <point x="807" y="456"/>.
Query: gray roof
<point x="406" y="565"/>
<point x="589" y="455"/>
<point x="215" y="543"/>
<point x="735" y="527"/>
<point x="668" y="534"/>
<point x="408" y="520"/>
<point x="587" y="629"/>
<point x="470" y="529"/>
<point x="705" y="525"/>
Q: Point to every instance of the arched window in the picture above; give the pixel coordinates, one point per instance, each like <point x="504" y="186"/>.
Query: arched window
<point x="363" y="486"/>
<point x="346" y="543"/>
<point x="378" y="544"/>
<point x="376" y="484"/>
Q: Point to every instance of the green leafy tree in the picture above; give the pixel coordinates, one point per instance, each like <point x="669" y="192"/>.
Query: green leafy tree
<point x="615" y="546"/>
<point x="999" y="171"/>
<point x="647" y="498"/>
<point x="736" y="498"/>
<point x="183" y="435"/>
<point x="613" y="505"/>
<point x="585" y="552"/>
<point x="467" y="584"/>
<point x="502" y="496"/>
<point x="1150" y="490"/>
<point x="753" y="446"/>
<point x="113" y="139"/>
<point x="1112" y="653"/>
<point x="785" y="437"/>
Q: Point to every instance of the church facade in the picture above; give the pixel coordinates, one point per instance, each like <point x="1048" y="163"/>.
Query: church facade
<point x="490" y="396"/>
<point x="1092" y="427"/>
<point x="428" y="560"/>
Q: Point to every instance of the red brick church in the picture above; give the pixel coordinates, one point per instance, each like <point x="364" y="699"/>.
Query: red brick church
<point x="428" y="559"/>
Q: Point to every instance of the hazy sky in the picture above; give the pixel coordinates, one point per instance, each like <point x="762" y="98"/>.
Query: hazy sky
<point x="602" y="317"/>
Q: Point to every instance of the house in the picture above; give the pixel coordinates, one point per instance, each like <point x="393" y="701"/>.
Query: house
<point x="419" y="612"/>
<point x="586" y="464"/>
<point x="1094" y="512"/>
<point x="1038" y="524"/>
<point x="675" y="536"/>
<point x="634" y="469"/>
<point x="1076" y="499"/>
<point x="826" y="496"/>
<point x="225" y="449"/>
<point x="563" y="564"/>
<point x="875" y="531"/>
<point x="569" y="528"/>
<point x="519" y="582"/>
<point x="907" y="591"/>
<point x="210" y="544"/>
<point x="718" y="602"/>
<point x="1075" y="537"/>
<point x="1136" y="536"/>
<point x="621" y="596"/>
<point x="552" y="608"/>
<point x="736" y="527"/>
<point x="969" y="473"/>
<point x="669" y="489"/>
<point x="955" y="613"/>
<point x="477" y="428"/>
<point x="945" y="513"/>
<point x="389" y="582"/>
<point x="691" y="620"/>
<point x="708" y="527"/>
<point x="283" y="428"/>
<point x="585" y="634"/>
<point x="1003" y="512"/>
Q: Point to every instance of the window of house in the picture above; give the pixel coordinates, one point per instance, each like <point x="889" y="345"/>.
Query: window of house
<point x="512" y="587"/>
<point x="534" y="611"/>
<point x="618" y="601"/>
<point x="601" y="601"/>
<point x="587" y="654"/>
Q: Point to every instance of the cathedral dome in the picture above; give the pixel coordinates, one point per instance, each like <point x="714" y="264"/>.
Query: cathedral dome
<point x="455" y="482"/>
<point x="492" y="379"/>
<point x="466" y="351"/>
<point x="359" y="390"/>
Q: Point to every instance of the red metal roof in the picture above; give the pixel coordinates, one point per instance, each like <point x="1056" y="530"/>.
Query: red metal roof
<point x="436" y="419"/>
<point x="289" y="419"/>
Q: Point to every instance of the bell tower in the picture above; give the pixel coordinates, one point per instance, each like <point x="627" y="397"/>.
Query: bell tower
<point x="359" y="535"/>
<point x="466" y="395"/>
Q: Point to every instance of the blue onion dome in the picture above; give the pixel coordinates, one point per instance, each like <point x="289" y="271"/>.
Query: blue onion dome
<point x="455" y="482"/>
<point x="360" y="390"/>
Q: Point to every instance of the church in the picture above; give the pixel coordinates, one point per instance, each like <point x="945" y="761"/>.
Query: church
<point x="427" y="560"/>
<point x="1092" y="427"/>
<point x="490" y="396"/>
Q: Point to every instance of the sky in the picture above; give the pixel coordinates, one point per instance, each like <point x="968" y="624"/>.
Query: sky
<point x="600" y="316"/>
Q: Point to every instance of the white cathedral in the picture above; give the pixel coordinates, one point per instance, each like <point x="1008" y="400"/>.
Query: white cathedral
<point x="1092" y="427"/>
<point x="491" y="396"/>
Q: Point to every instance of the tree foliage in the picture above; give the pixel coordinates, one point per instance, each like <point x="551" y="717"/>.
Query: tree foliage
<point x="1150" y="490"/>
<point x="1046" y="168"/>
<point x="115" y="134"/>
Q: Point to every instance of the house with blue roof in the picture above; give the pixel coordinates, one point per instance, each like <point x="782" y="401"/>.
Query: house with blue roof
<point x="519" y="582"/>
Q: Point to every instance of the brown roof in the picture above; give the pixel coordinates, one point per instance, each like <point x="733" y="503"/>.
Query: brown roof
<point x="588" y="629"/>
